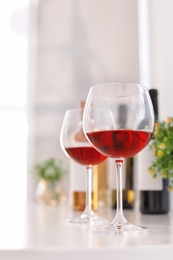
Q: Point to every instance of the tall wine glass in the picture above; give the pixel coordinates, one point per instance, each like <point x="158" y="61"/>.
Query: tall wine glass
<point x="124" y="139"/>
<point x="76" y="146"/>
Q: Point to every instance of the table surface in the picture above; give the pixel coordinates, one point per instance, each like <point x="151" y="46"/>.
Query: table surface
<point x="38" y="232"/>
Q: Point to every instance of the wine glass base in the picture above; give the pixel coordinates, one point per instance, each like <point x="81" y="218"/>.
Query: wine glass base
<point x="120" y="228"/>
<point x="87" y="217"/>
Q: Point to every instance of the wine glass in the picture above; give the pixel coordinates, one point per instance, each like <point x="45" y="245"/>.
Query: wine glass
<point x="76" y="146"/>
<point x="128" y="135"/>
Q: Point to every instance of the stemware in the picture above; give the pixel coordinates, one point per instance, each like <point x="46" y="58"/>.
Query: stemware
<point x="77" y="147"/>
<point x="121" y="138"/>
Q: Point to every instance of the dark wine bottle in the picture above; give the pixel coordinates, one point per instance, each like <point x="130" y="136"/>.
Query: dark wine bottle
<point x="154" y="196"/>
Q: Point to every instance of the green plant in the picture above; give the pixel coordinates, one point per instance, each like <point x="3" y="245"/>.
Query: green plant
<point x="50" y="169"/>
<point x="162" y="146"/>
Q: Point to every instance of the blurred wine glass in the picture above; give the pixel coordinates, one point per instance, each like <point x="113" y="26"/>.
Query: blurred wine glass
<point x="77" y="147"/>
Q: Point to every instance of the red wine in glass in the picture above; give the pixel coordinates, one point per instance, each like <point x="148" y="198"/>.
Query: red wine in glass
<point x="120" y="143"/>
<point x="85" y="155"/>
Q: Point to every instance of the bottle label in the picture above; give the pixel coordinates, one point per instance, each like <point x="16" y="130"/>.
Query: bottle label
<point x="145" y="180"/>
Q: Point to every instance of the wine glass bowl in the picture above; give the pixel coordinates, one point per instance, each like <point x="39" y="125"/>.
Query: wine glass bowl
<point x="76" y="146"/>
<point x="121" y="135"/>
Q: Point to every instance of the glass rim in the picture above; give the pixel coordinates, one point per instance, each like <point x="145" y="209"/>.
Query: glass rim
<point x="143" y="90"/>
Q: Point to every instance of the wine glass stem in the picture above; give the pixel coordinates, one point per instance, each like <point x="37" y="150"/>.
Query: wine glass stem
<point x="88" y="206"/>
<point x="119" y="164"/>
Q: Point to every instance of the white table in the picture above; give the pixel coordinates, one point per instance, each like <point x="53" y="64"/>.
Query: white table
<point x="40" y="232"/>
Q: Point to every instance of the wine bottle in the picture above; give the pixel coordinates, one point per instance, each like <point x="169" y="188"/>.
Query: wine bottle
<point x="77" y="179"/>
<point x="153" y="195"/>
<point x="128" y="171"/>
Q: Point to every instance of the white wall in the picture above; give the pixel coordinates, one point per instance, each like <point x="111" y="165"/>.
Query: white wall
<point x="80" y="43"/>
<point x="13" y="102"/>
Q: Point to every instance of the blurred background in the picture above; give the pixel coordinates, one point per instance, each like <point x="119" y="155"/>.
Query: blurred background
<point x="52" y="52"/>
